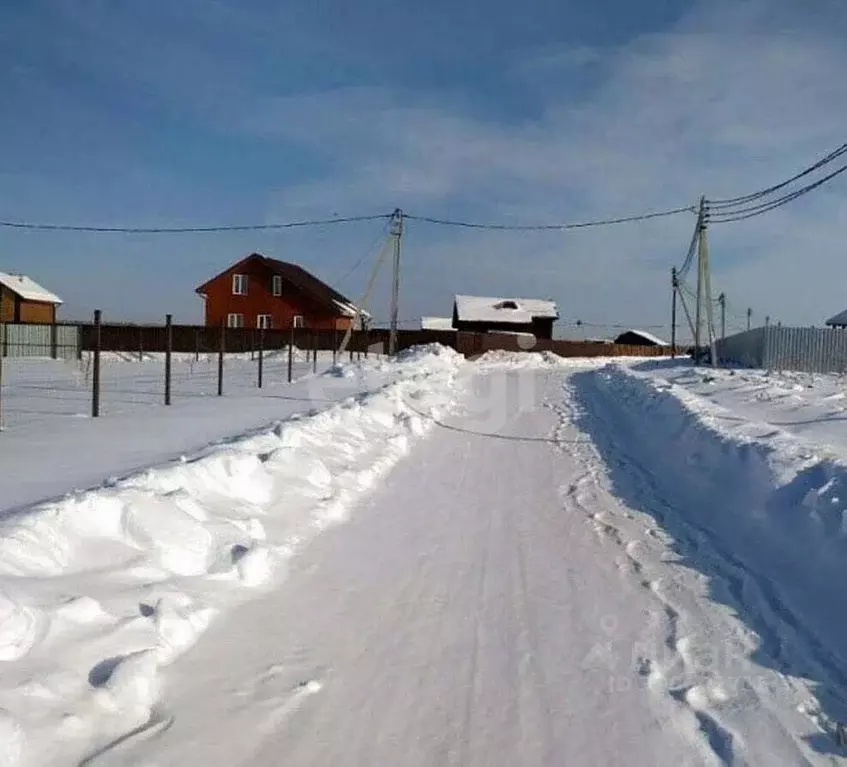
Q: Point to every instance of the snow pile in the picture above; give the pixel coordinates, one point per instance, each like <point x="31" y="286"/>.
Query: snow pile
<point x="537" y="360"/>
<point x="811" y="405"/>
<point x="783" y="479"/>
<point x="103" y="588"/>
<point x="758" y="510"/>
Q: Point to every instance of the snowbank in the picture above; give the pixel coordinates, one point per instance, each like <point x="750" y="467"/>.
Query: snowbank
<point x="760" y="513"/>
<point x="101" y="589"/>
<point x="811" y="405"/>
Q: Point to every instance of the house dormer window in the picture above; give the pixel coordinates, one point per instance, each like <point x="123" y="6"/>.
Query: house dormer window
<point x="276" y="285"/>
<point x="239" y="284"/>
<point x="507" y="304"/>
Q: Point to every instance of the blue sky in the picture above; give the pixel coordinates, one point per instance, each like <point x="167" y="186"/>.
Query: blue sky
<point x="216" y="111"/>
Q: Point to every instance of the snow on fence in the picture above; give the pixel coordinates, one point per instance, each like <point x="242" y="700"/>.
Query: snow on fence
<point x="809" y="350"/>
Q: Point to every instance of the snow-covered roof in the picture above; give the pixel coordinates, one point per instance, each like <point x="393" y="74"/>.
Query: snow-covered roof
<point x="349" y="310"/>
<point x="520" y="311"/>
<point x="436" y="323"/>
<point x="27" y="288"/>
<point x="839" y="320"/>
<point x="649" y="337"/>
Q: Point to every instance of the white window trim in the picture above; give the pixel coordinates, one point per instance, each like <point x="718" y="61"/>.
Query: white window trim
<point x="269" y="321"/>
<point x="298" y="321"/>
<point x="235" y="320"/>
<point x="276" y="285"/>
<point x="239" y="281"/>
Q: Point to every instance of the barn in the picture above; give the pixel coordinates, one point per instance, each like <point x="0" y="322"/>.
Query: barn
<point x="22" y="299"/>
<point x="639" y="338"/>
<point x="480" y="314"/>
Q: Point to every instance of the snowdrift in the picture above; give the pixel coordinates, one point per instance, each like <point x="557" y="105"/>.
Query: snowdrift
<point x="759" y="512"/>
<point x="101" y="589"/>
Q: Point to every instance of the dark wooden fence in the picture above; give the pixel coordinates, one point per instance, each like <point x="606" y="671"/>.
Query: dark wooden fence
<point x="198" y="340"/>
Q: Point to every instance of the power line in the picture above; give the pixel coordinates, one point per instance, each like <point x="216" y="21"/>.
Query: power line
<point x="365" y="255"/>
<point x="189" y="229"/>
<point x="776" y="187"/>
<point x="549" y="227"/>
<point x="757" y="210"/>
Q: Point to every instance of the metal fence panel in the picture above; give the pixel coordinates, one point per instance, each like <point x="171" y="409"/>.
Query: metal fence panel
<point x="746" y="349"/>
<point x="24" y="340"/>
<point x="810" y="350"/>
<point x="67" y="341"/>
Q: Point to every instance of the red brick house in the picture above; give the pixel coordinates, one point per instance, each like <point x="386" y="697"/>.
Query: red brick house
<point x="262" y="292"/>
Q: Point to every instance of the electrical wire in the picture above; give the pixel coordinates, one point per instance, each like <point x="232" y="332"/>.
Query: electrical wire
<point x="692" y="248"/>
<point x="548" y="227"/>
<point x="757" y="210"/>
<point x="776" y="187"/>
<point x="383" y="232"/>
<point x="189" y="229"/>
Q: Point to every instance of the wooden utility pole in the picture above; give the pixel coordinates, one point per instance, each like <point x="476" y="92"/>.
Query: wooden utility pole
<point x="674" y="285"/>
<point x="397" y="235"/>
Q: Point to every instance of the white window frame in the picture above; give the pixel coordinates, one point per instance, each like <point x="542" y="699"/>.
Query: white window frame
<point x="264" y="321"/>
<point x="235" y="320"/>
<point x="299" y="321"/>
<point x="276" y="285"/>
<point x="239" y="284"/>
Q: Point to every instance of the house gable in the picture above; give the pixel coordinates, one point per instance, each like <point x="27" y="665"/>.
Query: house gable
<point x="278" y="289"/>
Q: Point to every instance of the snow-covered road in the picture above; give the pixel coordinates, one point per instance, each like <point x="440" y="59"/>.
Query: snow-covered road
<point x="505" y="600"/>
<point x="568" y="563"/>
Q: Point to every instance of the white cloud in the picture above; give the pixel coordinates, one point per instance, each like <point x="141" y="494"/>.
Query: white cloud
<point x="726" y="103"/>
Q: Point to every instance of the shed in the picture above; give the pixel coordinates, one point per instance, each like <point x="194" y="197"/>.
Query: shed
<point x="22" y="299"/>
<point x="639" y="338"/>
<point x="838" y="321"/>
<point x="483" y="314"/>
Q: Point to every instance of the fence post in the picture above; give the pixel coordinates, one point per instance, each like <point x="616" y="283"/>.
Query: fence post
<point x="140" y="344"/>
<point x="54" y="341"/>
<point x="367" y="341"/>
<point x="314" y="351"/>
<point x="196" y="345"/>
<point x="335" y="346"/>
<point x="261" y="354"/>
<point x="221" y="350"/>
<point x="95" y="367"/>
<point x="169" y="347"/>
<point x="291" y="354"/>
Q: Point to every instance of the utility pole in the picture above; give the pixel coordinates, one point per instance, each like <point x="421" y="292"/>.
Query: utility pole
<point x="704" y="286"/>
<point x="707" y="282"/>
<point x="722" y="303"/>
<point x="674" y="285"/>
<point x="397" y="234"/>
<point x="698" y="316"/>
<point x="749" y="317"/>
